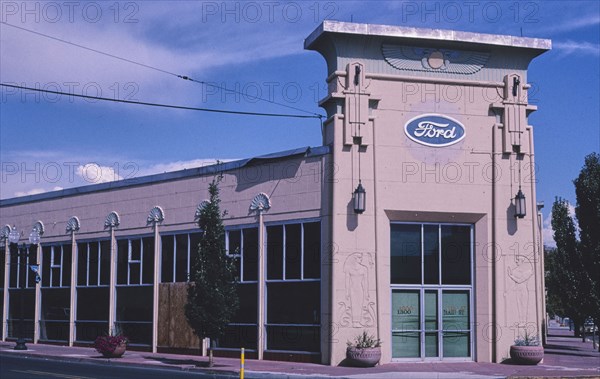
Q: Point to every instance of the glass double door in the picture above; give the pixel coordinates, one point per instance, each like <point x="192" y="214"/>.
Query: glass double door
<point x="431" y="323"/>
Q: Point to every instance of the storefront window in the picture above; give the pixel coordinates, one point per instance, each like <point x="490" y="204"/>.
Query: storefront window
<point x="431" y="297"/>
<point x="92" y="291"/>
<point x="242" y="246"/>
<point x="293" y="287"/>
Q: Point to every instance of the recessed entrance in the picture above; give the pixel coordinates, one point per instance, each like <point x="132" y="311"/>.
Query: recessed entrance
<point x="431" y="290"/>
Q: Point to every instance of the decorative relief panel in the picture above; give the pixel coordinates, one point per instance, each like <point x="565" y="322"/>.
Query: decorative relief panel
<point x="518" y="286"/>
<point x="357" y="310"/>
<point x="429" y="59"/>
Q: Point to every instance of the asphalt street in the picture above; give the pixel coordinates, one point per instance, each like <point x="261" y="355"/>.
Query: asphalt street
<point x="19" y="367"/>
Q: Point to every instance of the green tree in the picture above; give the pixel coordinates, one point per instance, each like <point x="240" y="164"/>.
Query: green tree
<point x="554" y="304"/>
<point x="569" y="279"/>
<point x="587" y="190"/>
<point x="212" y="292"/>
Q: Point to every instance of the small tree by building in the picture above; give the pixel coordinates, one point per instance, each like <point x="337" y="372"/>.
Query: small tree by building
<point x="569" y="279"/>
<point x="212" y="293"/>
<point x="573" y="268"/>
<point x="587" y="190"/>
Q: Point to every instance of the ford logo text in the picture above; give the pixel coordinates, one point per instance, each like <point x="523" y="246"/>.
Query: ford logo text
<point x="434" y="130"/>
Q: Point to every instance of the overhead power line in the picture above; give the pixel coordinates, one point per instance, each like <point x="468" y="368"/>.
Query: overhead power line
<point x="163" y="105"/>
<point x="184" y="77"/>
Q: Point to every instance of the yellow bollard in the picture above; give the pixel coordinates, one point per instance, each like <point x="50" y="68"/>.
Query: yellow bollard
<point x="242" y="365"/>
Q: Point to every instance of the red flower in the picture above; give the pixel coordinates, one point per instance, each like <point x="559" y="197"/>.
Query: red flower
<point x="108" y="344"/>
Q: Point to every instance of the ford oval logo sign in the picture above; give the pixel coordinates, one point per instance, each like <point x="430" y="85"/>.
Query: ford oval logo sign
<point x="434" y="130"/>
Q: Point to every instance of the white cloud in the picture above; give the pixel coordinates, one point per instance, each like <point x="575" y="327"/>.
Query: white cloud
<point x="183" y="40"/>
<point x="34" y="172"/>
<point x="577" y="22"/>
<point x="548" y="232"/>
<point x="93" y="173"/>
<point x="573" y="47"/>
<point x="35" y="191"/>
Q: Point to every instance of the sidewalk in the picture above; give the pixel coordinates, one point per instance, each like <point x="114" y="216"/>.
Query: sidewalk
<point x="565" y="357"/>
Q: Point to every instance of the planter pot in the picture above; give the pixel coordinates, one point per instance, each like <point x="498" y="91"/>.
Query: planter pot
<point x="365" y="357"/>
<point x="527" y="355"/>
<point x="118" y="352"/>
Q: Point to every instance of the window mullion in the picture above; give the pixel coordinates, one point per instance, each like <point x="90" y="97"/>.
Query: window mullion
<point x="174" y="257"/>
<point x="141" y="262"/>
<point x="51" y="268"/>
<point x="284" y="232"/>
<point x="241" y="255"/>
<point x="62" y="264"/>
<point x="301" y="251"/>
<point x="98" y="258"/>
<point x="128" y="261"/>
<point x="189" y="255"/>
<point x="87" y="264"/>
<point x="440" y="254"/>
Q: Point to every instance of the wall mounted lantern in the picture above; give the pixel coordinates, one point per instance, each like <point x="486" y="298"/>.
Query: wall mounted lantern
<point x="520" y="210"/>
<point x="359" y="198"/>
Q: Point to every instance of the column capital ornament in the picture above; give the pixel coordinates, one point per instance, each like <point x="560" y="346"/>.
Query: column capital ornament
<point x="4" y="232"/>
<point x="112" y="220"/>
<point x="261" y="202"/>
<point x="156" y="215"/>
<point x="73" y="225"/>
<point x="38" y="227"/>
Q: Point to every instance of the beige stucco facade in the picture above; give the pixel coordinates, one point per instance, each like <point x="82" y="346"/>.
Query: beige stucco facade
<point x="433" y="124"/>
<point x="473" y="181"/>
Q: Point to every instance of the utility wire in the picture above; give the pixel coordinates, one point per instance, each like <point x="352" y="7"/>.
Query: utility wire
<point x="162" y="105"/>
<point x="184" y="77"/>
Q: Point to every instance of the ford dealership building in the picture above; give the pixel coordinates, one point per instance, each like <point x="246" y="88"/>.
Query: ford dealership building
<point x="416" y="220"/>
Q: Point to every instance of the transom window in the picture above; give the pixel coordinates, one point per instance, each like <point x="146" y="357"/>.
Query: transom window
<point x="135" y="264"/>
<point x="178" y="255"/>
<point x="93" y="263"/>
<point x="431" y="291"/>
<point x="56" y="266"/>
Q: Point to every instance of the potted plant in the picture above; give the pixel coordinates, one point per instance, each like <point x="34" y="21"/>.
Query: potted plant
<point x="111" y="346"/>
<point x="527" y="350"/>
<point x="365" y="351"/>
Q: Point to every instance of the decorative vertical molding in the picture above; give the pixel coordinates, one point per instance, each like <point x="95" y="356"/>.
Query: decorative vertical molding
<point x="73" y="225"/>
<point x="155" y="217"/>
<point x="39" y="228"/>
<point x="260" y="204"/>
<point x="111" y="222"/>
<point x="4" y="237"/>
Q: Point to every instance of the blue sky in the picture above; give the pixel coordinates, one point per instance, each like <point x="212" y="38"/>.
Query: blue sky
<point x="49" y="142"/>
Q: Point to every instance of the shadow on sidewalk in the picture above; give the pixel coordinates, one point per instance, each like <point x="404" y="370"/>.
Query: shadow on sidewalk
<point x="560" y="347"/>
<point x="578" y="354"/>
